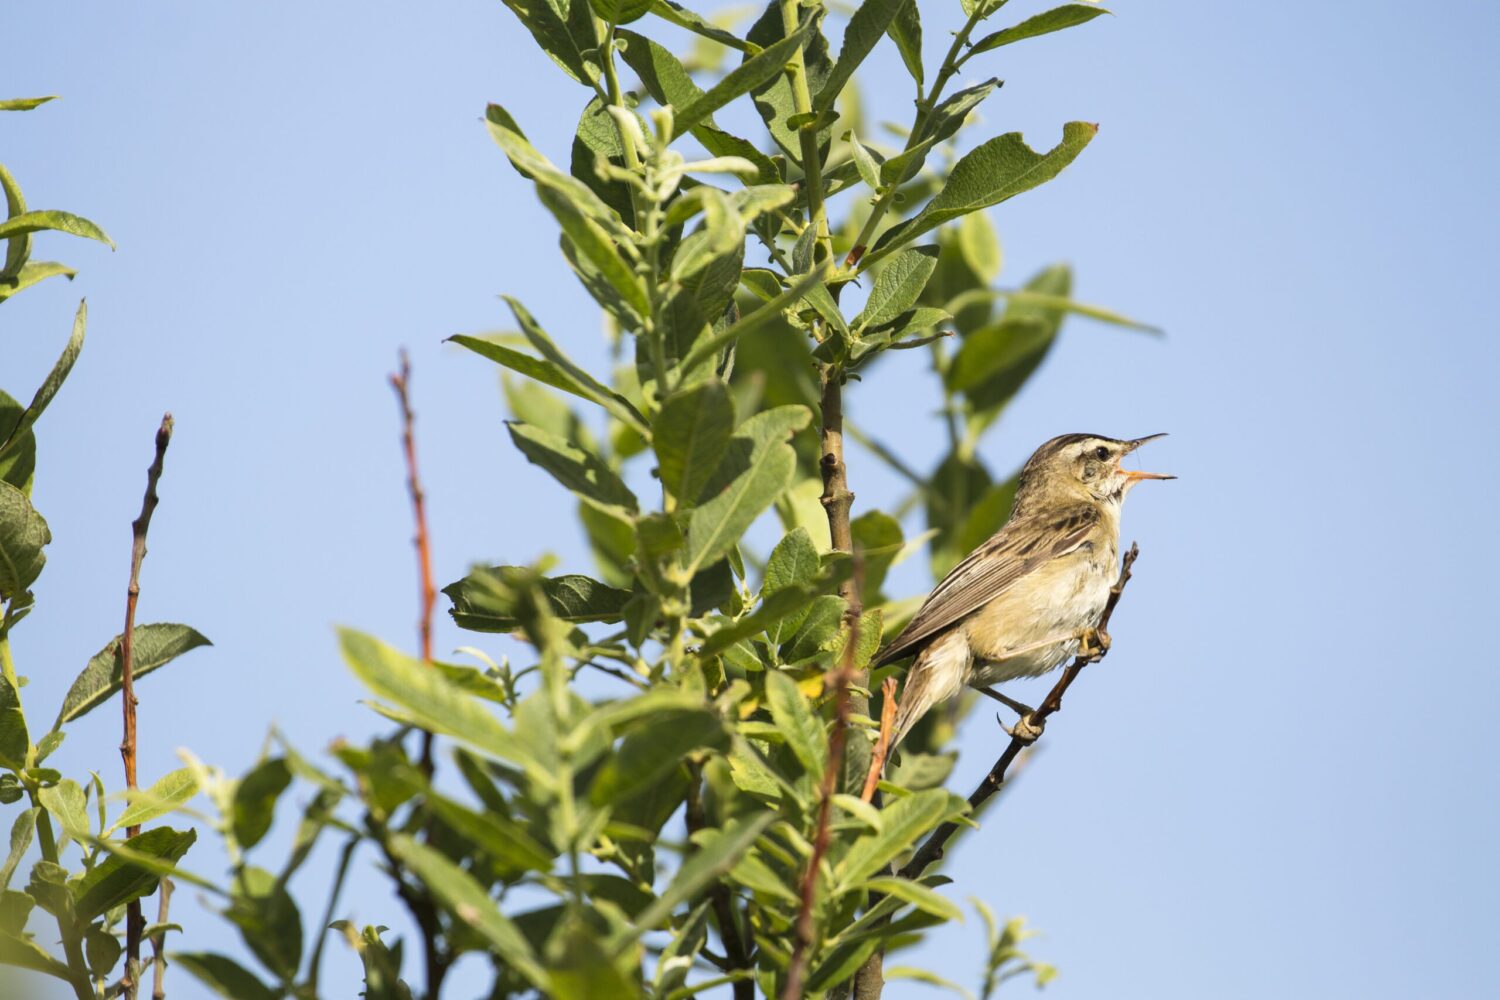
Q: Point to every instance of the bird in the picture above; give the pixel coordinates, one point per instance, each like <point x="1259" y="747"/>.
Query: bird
<point x="1030" y="596"/>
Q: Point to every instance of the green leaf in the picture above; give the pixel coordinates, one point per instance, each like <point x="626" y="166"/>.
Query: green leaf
<point x="794" y="565"/>
<point x="899" y="972"/>
<point x="715" y="527"/>
<point x="878" y="537"/>
<point x="718" y="852"/>
<point x="590" y="239"/>
<point x="224" y="976"/>
<point x="580" y="969"/>
<point x="18" y="249"/>
<point x="648" y="754"/>
<point x="115" y="881"/>
<point x="20" y="839"/>
<point x="620" y="11"/>
<point x="102" y="950"/>
<point x="760" y="68"/>
<point x="979" y="246"/>
<point x="690" y="435"/>
<point x="433" y="702"/>
<point x="773" y="609"/>
<point x="898" y="285"/>
<point x="771" y="312"/>
<point x="68" y="805"/>
<point x="154" y="645"/>
<point x="23" y="532"/>
<point x="576" y="469"/>
<point x="906" y="31"/>
<point x="1055" y="19"/>
<point x="170" y="791"/>
<point x="865" y="28"/>
<point x="255" y="798"/>
<point x="507" y="842"/>
<point x="1044" y="303"/>
<point x="25" y="103"/>
<point x="30" y="273"/>
<point x="469" y="903"/>
<point x="51" y="384"/>
<point x="696" y="23"/>
<point x="990" y="173"/>
<point x="946" y="119"/>
<point x="62" y="222"/>
<point x="802" y="729"/>
<point x="905" y="821"/>
<point x="775" y="100"/>
<point x="268" y="919"/>
<point x="558" y="38"/>
<point x="24" y="953"/>
<point x="485" y="600"/>
<point x="587" y="386"/>
<point x="530" y="163"/>
<point x="864" y="160"/>
<point x="816" y="631"/>
<point x="917" y="895"/>
<point x="14" y="739"/>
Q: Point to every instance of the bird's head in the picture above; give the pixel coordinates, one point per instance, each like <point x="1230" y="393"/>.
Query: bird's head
<point x="1077" y="467"/>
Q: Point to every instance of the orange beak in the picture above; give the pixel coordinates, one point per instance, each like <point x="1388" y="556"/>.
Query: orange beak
<point x="1135" y="475"/>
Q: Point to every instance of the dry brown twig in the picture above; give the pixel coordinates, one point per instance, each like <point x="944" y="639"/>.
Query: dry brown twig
<point x="883" y="741"/>
<point x="401" y="383"/>
<point x="134" y="922"/>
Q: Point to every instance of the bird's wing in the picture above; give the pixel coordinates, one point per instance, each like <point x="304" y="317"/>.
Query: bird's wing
<point x="990" y="570"/>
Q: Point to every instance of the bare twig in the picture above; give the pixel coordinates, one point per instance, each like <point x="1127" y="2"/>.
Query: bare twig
<point x="932" y="849"/>
<point x="158" y="955"/>
<point x="401" y="382"/>
<point x="134" y="922"/>
<point x="843" y="677"/>
<point x="883" y="742"/>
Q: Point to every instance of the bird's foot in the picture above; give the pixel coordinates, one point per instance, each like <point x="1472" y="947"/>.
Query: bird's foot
<point x="1093" y="643"/>
<point x="1028" y="728"/>
<point x="1020" y="708"/>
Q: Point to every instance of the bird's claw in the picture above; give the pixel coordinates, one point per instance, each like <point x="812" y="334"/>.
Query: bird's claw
<point x="1093" y="643"/>
<point x="1028" y="728"/>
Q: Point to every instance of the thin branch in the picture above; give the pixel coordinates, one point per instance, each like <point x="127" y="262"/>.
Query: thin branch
<point x="883" y="742"/>
<point x="931" y="850"/>
<point x="134" y="922"/>
<point x="401" y="382"/>
<point x="158" y="956"/>
<point x="843" y="677"/>
<point x="736" y="954"/>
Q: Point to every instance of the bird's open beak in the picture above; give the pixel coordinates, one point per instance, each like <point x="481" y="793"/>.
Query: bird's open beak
<point x="1133" y="476"/>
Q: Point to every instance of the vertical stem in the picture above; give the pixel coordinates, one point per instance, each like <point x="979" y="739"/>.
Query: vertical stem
<point x="158" y="959"/>
<point x="723" y="904"/>
<point x="401" y="382"/>
<point x="807" y="137"/>
<point x="134" y="921"/>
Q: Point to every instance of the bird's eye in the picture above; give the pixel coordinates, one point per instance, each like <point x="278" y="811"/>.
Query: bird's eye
<point x="1101" y="453"/>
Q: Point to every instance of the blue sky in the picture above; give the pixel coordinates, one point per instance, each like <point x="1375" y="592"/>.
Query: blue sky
<point x="1277" y="783"/>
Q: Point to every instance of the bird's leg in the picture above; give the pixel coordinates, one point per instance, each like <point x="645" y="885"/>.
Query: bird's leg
<point x="1028" y="726"/>
<point x="1093" y="643"/>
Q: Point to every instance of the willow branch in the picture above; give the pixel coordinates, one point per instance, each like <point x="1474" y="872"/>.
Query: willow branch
<point x="134" y="921"/>
<point x="883" y="742"/>
<point x="158" y="956"/>
<point x="843" y="677"/>
<point x="401" y="382"/>
<point x="931" y="850"/>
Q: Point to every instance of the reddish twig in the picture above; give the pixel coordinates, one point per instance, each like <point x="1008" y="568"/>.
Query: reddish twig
<point x="134" y="922"/>
<point x="842" y="678"/>
<point x="883" y="742"/>
<point x="401" y="382"/>
<point x="932" y="849"/>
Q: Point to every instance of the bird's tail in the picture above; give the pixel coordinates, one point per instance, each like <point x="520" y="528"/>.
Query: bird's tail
<point x="938" y="673"/>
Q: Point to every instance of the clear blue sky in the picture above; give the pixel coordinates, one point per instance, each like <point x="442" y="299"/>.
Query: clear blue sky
<point x="1281" y="781"/>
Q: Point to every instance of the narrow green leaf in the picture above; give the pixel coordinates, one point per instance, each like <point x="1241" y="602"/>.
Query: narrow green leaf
<point x="1057" y="303"/>
<point x="898" y="285"/>
<point x="224" y="976"/>
<point x="917" y="895"/>
<point x="690" y="435"/>
<point x="502" y="838"/>
<point x="595" y="244"/>
<point x="432" y="700"/>
<point x="718" y="852"/>
<point x="1055" y="19"/>
<point x="905" y="821"/>
<point x="595" y="390"/>
<point x="18" y="249"/>
<point x="620" y="11"/>
<point x="541" y="18"/>
<point x="30" y="273"/>
<point x="255" y="797"/>
<point x="747" y="76"/>
<point x="485" y="600"/>
<point x="530" y="163"/>
<point x="905" y="30"/>
<point x="469" y="903"/>
<point x="794" y="717"/>
<point x="990" y="173"/>
<point x="115" y="881"/>
<point x="715" y="527"/>
<point x="946" y="119"/>
<point x="62" y="222"/>
<point x="155" y="646"/>
<point x="649" y="754"/>
<point x="707" y="347"/>
<point x="697" y="23"/>
<point x="23" y="532"/>
<point x="980" y="246"/>
<point x="532" y="367"/>
<point x="25" y="103"/>
<point x="772" y="610"/>
<point x="864" y="160"/>
<point x="14" y="739"/>
<point x="865" y="28"/>
<point x="24" y="953"/>
<point x="268" y="919"/>
<point x="576" y="469"/>
<point x="20" y="839"/>
<point x="52" y="383"/>
<point x="68" y="805"/>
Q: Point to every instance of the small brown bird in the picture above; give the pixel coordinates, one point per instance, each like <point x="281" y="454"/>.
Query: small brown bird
<point x="1028" y="599"/>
